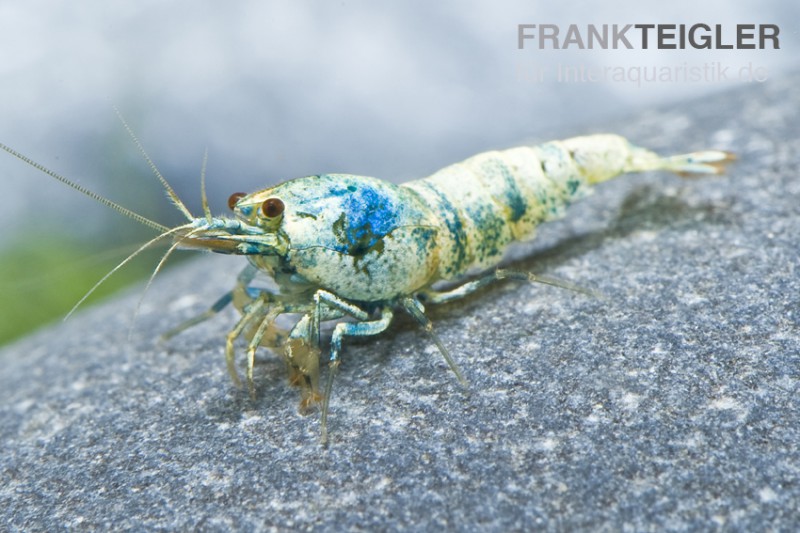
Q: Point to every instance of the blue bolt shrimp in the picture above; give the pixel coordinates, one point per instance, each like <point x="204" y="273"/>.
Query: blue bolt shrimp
<point x="343" y="246"/>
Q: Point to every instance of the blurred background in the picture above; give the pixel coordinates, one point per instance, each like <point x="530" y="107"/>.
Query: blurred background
<point x="280" y="89"/>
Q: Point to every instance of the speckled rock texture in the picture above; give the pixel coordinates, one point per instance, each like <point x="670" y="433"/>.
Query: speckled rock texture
<point x="669" y="403"/>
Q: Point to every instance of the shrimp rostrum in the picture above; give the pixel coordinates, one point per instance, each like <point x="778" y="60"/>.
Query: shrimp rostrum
<point x="343" y="246"/>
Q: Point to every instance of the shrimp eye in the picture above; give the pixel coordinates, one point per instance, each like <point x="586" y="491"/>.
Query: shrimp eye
<point x="272" y="207"/>
<point x="234" y="199"/>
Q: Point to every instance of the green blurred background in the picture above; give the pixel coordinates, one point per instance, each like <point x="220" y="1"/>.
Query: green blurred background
<point x="43" y="280"/>
<point x="61" y="254"/>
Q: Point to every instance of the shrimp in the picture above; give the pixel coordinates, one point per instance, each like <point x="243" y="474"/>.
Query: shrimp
<point x="344" y="246"/>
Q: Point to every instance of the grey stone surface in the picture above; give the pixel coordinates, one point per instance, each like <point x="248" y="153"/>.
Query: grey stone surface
<point x="668" y="404"/>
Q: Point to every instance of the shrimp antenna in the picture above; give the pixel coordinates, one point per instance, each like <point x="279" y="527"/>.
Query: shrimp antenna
<point x="93" y="195"/>
<point x="203" y="195"/>
<point x="158" y="268"/>
<point x="127" y="260"/>
<point x="173" y="196"/>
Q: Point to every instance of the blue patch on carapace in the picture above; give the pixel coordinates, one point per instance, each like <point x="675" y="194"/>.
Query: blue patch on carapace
<point x="366" y="217"/>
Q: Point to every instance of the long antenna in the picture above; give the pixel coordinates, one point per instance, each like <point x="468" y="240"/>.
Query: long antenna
<point x="93" y="195"/>
<point x="124" y="262"/>
<point x="153" y="275"/>
<point x="203" y="195"/>
<point x="170" y="191"/>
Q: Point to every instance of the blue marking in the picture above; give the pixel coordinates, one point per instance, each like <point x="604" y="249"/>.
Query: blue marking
<point x="366" y="214"/>
<point x="452" y="219"/>
<point x="220" y="304"/>
<point x="489" y="228"/>
<point x="513" y="198"/>
<point x="253" y="249"/>
<point x="572" y="186"/>
<point x="370" y="216"/>
<point x="254" y="293"/>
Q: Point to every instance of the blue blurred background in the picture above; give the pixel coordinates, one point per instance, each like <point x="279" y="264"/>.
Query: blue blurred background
<point x="279" y="89"/>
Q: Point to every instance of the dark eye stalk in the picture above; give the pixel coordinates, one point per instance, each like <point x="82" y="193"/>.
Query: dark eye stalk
<point x="234" y="198"/>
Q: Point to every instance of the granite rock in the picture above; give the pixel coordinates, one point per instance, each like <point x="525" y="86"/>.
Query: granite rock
<point x="667" y="403"/>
